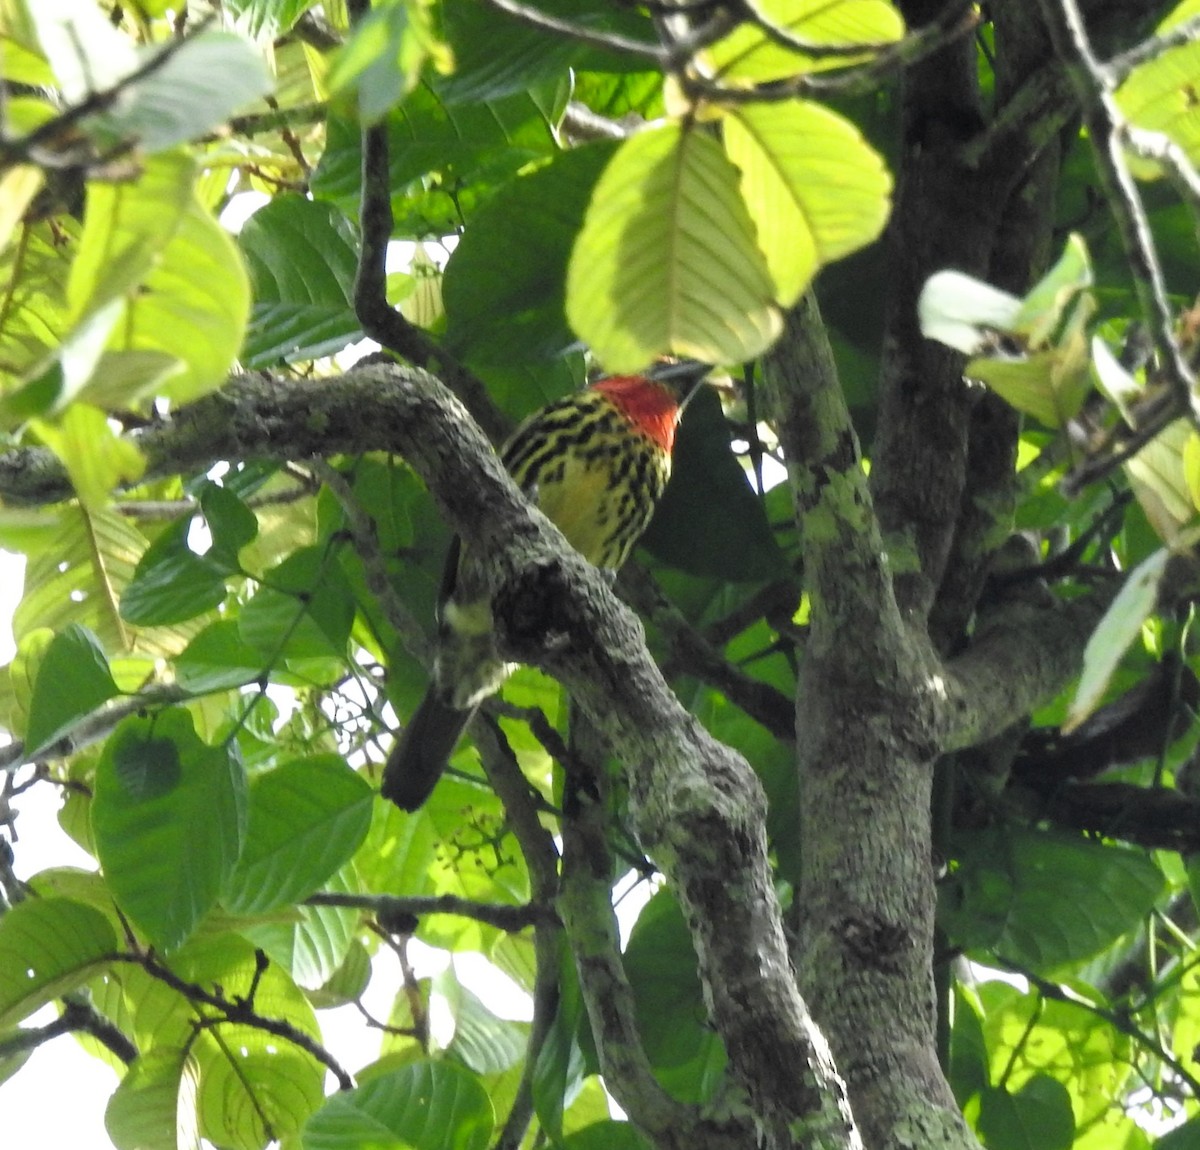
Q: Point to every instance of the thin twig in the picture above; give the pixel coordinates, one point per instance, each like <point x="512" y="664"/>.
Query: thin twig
<point x="390" y="907"/>
<point x="96" y="102"/>
<point x="955" y="20"/>
<point x="1120" y="66"/>
<point x="239" y="1010"/>
<point x="91" y="728"/>
<point x="366" y="547"/>
<point x="78" y="1017"/>
<point x="1116" y="1019"/>
<point x="610" y="41"/>
<point x="1094" y="85"/>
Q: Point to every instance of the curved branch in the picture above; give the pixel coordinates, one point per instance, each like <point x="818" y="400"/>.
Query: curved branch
<point x="240" y="1010"/>
<point x="78" y="1017"/>
<point x="390" y="908"/>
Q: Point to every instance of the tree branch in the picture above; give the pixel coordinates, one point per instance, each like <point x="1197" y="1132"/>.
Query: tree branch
<point x="542" y="859"/>
<point x="78" y="1017"/>
<point x="390" y="908"/>
<point x="587" y="912"/>
<point x="239" y="1010"/>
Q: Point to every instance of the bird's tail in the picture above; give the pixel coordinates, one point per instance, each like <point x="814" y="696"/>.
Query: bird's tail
<point x="419" y="758"/>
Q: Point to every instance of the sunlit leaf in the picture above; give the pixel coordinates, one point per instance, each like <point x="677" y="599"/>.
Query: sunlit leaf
<point x="1160" y="94"/>
<point x="1158" y="477"/>
<point x="962" y="312"/>
<point x="815" y="188"/>
<point x="48" y="946"/>
<point x="96" y="458"/>
<point x="172" y="583"/>
<point x="499" y="309"/>
<point x="760" y="50"/>
<point x="193" y="90"/>
<point x="667" y="260"/>
<point x="18" y="185"/>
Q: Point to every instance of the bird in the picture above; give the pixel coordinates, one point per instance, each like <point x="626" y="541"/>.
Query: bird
<point x="596" y="463"/>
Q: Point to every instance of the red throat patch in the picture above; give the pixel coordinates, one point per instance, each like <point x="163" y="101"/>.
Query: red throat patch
<point x="650" y="406"/>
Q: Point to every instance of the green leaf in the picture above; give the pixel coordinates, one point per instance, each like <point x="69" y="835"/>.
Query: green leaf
<point x="87" y="53"/>
<point x="254" y="1086"/>
<point x="231" y="524"/>
<point x="382" y="59"/>
<point x="1050" y="304"/>
<point x="425" y="1106"/>
<point x="126" y="228"/>
<point x="302" y="258"/>
<point x="73" y="680"/>
<point x="154" y="1107"/>
<point x="217" y="659"/>
<point x="1042" y="899"/>
<point x="266" y="20"/>
<point x="1159" y="479"/>
<point x="427" y="135"/>
<point x="172" y="583"/>
<point x="305" y="609"/>
<point x="667" y="260"/>
<point x="754" y="52"/>
<point x="606" y="1136"/>
<point x="814" y="187"/>
<point x="500" y="310"/>
<point x="1121" y="625"/>
<point x="1185" y="1137"/>
<point x="194" y="305"/>
<point x="18" y="186"/>
<point x="1028" y="1036"/>
<point x="672" y="1021"/>
<point x="497" y="55"/>
<point x="96" y="458"/>
<point x="968" y="1070"/>
<point x="1159" y="95"/>
<point x="482" y="1041"/>
<point x="307" y="818"/>
<point x="85" y="560"/>
<point x="1036" y="1117"/>
<point x="205" y="80"/>
<point x="1049" y="385"/>
<point x="560" y="1068"/>
<point x="48" y="946"/>
<point x="169" y="817"/>
<point x="315" y="944"/>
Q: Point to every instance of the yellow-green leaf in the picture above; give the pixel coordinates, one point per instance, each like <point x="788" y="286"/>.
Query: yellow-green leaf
<point x="48" y="946"/>
<point x="752" y="52"/>
<point x="815" y="188"/>
<point x="667" y="261"/>
<point x="1160" y="95"/>
<point x="1122" y="623"/>
<point x="125" y="228"/>
<point x="1157" y="476"/>
<point x="96" y="459"/>
<point x="18" y="186"/>
<point x="1054" y="301"/>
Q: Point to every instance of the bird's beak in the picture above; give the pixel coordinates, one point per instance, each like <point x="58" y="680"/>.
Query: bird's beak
<point x="686" y="375"/>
